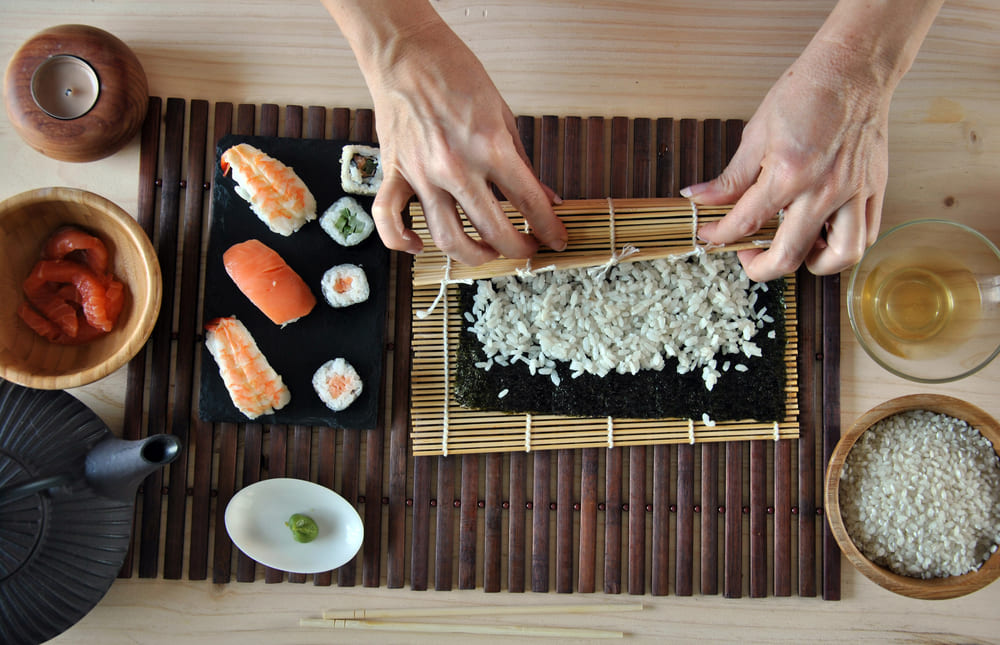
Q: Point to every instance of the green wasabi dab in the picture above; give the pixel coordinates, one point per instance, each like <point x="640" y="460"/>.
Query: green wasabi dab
<point x="303" y="527"/>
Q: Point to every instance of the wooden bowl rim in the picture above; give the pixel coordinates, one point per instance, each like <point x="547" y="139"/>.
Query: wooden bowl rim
<point x="152" y="281"/>
<point x="926" y="589"/>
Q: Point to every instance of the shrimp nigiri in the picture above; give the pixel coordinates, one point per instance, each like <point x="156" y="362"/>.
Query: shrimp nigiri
<point x="276" y="194"/>
<point x="253" y="385"/>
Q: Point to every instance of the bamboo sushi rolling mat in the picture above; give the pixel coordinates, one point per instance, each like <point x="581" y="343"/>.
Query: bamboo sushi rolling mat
<point x="648" y="229"/>
<point x="738" y="518"/>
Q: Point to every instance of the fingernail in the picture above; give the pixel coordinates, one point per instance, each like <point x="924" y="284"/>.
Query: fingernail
<point x="416" y="246"/>
<point x="556" y="199"/>
<point x="559" y="245"/>
<point x="693" y="190"/>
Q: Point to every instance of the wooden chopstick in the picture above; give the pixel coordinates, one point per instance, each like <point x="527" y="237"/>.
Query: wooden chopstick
<point x="367" y="619"/>
<point x="416" y="612"/>
<point x="456" y="628"/>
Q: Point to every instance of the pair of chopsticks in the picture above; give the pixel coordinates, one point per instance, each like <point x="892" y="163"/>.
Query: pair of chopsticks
<point x="388" y="620"/>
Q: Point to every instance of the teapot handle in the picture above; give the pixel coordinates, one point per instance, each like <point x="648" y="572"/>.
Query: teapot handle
<point x="13" y="493"/>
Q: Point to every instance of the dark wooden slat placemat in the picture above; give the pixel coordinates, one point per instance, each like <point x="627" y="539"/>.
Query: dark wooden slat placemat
<point x="737" y="519"/>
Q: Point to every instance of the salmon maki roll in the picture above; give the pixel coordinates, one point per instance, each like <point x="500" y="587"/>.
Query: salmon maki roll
<point x="276" y="194"/>
<point x="253" y="385"/>
<point x="270" y="284"/>
<point x="337" y="384"/>
<point x="345" y="285"/>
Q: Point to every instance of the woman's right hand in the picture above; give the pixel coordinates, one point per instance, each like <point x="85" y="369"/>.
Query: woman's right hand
<point x="446" y="136"/>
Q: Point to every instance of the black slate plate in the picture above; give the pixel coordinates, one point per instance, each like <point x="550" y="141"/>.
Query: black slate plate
<point x="59" y="552"/>
<point x="295" y="351"/>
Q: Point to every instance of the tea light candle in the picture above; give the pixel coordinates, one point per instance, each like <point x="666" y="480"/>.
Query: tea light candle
<point x="65" y="86"/>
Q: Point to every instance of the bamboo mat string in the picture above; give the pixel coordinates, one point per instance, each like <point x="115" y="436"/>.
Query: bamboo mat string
<point x="602" y="270"/>
<point x="611" y="432"/>
<point x="777" y="435"/>
<point x="444" y="343"/>
<point x="691" y="431"/>
<point x="694" y="226"/>
<point x="527" y="432"/>
<point x="442" y="292"/>
<point x="528" y="271"/>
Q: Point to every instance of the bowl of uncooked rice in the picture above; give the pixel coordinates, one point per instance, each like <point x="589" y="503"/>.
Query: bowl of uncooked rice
<point x="913" y="496"/>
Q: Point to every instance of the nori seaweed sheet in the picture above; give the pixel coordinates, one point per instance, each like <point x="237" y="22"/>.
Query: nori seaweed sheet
<point x="758" y="393"/>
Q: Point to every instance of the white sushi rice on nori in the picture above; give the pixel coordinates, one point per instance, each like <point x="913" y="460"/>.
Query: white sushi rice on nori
<point x="347" y="222"/>
<point x="920" y="495"/>
<point x="345" y="285"/>
<point x="641" y="314"/>
<point x="337" y="383"/>
<point x="360" y="170"/>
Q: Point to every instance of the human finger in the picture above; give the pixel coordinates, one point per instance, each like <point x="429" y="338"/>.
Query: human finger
<point x="757" y="205"/>
<point x="846" y="239"/>
<point x="493" y="225"/>
<point x="448" y="232"/>
<point x="741" y="172"/>
<point x="792" y="243"/>
<point x="873" y="217"/>
<point x="518" y="184"/>
<point x="529" y="197"/>
<point x="387" y="209"/>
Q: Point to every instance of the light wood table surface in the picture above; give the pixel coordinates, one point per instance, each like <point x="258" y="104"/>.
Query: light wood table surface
<point x="604" y="58"/>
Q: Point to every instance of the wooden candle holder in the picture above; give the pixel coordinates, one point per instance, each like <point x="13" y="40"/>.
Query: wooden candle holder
<point x="113" y="120"/>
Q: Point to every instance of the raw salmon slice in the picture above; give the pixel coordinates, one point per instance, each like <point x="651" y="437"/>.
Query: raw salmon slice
<point x="70" y="240"/>
<point x="92" y="289"/>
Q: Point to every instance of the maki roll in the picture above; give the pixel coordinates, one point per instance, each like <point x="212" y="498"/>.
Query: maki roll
<point x="337" y="383"/>
<point x="345" y="285"/>
<point x="360" y="170"/>
<point x="347" y="222"/>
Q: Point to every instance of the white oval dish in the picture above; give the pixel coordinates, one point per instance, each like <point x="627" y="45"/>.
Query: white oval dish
<point x="256" y="516"/>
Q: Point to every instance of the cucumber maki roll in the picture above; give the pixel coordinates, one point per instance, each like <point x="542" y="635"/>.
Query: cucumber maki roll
<point x="347" y="222"/>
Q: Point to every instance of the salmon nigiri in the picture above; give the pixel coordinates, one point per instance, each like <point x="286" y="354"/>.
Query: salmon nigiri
<point x="277" y="195"/>
<point x="253" y="385"/>
<point x="270" y="284"/>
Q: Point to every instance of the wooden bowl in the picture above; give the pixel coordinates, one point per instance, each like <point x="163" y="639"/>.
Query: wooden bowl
<point x="109" y="125"/>
<point x="931" y="588"/>
<point x="26" y="222"/>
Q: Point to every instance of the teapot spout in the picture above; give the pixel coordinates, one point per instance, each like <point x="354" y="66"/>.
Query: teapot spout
<point x="115" y="467"/>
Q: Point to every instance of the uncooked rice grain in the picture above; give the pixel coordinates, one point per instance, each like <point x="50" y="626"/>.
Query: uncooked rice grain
<point x="636" y="318"/>
<point x="920" y="495"/>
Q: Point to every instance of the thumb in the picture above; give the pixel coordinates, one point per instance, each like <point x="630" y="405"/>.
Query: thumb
<point x="737" y="177"/>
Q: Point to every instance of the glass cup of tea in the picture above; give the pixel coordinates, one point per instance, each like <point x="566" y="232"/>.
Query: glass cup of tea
<point x="924" y="301"/>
